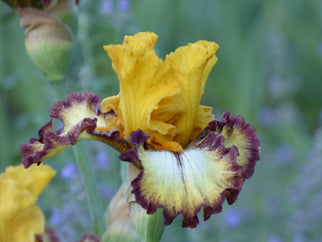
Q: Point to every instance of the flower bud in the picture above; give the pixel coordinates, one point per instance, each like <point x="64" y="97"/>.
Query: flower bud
<point x="24" y="3"/>
<point x="149" y="227"/>
<point x="117" y="219"/>
<point x="48" y="41"/>
<point x="66" y="11"/>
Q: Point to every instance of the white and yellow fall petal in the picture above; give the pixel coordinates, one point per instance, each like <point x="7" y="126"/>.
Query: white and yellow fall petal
<point x="184" y="183"/>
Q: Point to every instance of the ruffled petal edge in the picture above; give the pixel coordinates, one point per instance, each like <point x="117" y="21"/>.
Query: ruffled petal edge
<point x="183" y="190"/>
<point x="241" y="134"/>
<point x="81" y="120"/>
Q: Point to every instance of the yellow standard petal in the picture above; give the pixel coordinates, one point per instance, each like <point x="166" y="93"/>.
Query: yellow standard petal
<point x="20" y="218"/>
<point x="160" y="97"/>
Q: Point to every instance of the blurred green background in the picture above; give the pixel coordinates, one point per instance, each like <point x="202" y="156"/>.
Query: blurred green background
<point x="269" y="70"/>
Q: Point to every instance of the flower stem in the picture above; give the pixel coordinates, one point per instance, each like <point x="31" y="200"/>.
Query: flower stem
<point x="94" y="200"/>
<point x="84" y="165"/>
<point x="59" y="89"/>
<point x="4" y="151"/>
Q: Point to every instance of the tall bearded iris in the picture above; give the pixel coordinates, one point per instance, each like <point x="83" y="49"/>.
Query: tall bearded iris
<point x="186" y="160"/>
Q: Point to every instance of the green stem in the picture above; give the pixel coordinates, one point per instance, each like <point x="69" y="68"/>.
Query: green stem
<point x="4" y="139"/>
<point x="59" y="89"/>
<point x="94" y="200"/>
<point x="4" y="158"/>
<point x="84" y="165"/>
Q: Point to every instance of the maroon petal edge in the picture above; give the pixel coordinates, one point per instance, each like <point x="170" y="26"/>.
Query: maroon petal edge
<point x="232" y="123"/>
<point x="48" y="236"/>
<point x="51" y="143"/>
<point x="210" y="141"/>
<point x="89" y="237"/>
<point x="131" y="155"/>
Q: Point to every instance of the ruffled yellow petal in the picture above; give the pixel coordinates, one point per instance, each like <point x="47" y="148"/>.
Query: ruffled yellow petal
<point x="109" y="104"/>
<point x="20" y="218"/>
<point x="144" y="81"/>
<point x="192" y="65"/>
<point x="23" y="181"/>
<point x="160" y="97"/>
<point x="27" y="224"/>
<point x="203" y="116"/>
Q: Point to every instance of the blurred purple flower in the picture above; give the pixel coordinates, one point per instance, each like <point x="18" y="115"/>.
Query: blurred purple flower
<point x="106" y="7"/>
<point x="320" y="118"/>
<point x="69" y="170"/>
<point x="306" y="195"/>
<point x="274" y="238"/>
<point x="284" y="153"/>
<point x="123" y="5"/>
<point x="319" y="49"/>
<point x="107" y="192"/>
<point x="55" y="217"/>
<point x="287" y="113"/>
<point x="266" y="116"/>
<point x="102" y="160"/>
<point x="232" y="218"/>
<point x="277" y="86"/>
<point x="58" y="216"/>
<point x="298" y="237"/>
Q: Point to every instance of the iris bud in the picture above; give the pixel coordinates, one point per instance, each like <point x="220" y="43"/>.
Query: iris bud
<point x="118" y="222"/>
<point x="48" y="41"/>
<point x="149" y="227"/>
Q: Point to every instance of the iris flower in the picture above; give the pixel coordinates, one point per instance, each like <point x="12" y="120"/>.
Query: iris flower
<point x="186" y="159"/>
<point x="20" y="218"/>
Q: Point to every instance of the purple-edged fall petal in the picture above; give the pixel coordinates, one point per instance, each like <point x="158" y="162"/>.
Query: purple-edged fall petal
<point x="184" y="183"/>
<point x="20" y="218"/>
<point x="82" y="120"/>
<point x="242" y="135"/>
<point x="161" y="97"/>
